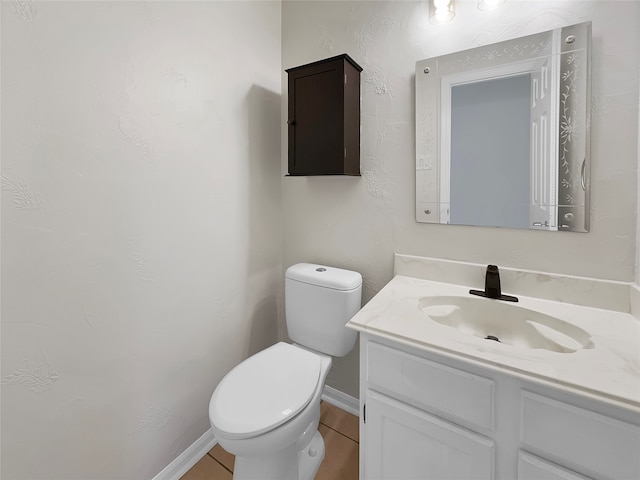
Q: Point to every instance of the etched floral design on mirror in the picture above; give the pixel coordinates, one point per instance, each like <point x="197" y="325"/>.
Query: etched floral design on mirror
<point x="515" y="161"/>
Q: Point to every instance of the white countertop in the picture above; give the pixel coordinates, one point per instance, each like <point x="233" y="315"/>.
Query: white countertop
<point x="609" y="372"/>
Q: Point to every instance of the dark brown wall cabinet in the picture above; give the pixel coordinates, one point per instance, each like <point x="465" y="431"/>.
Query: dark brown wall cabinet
<point x="324" y="117"/>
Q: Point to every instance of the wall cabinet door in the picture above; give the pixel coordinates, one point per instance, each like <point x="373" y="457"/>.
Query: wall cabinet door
<point x="324" y="117"/>
<point x="405" y="443"/>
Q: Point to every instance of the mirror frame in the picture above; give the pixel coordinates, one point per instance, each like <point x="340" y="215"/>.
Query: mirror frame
<point x="570" y="51"/>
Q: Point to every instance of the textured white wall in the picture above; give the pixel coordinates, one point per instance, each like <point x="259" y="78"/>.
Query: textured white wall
<point x="358" y="223"/>
<point x="141" y="225"/>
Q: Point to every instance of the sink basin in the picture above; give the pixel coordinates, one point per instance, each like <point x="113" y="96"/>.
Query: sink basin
<point x="494" y="320"/>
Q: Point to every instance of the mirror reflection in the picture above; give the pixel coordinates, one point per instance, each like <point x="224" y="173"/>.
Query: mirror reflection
<point x="502" y="135"/>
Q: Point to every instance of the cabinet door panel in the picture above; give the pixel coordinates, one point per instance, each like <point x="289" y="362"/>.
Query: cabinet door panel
<point x="318" y="123"/>
<point x="534" y="468"/>
<point x="406" y="443"/>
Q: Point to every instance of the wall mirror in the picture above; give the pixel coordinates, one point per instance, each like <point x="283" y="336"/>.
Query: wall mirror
<point x="502" y="133"/>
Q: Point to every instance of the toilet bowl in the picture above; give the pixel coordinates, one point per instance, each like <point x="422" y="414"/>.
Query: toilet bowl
<point x="270" y="423"/>
<point x="266" y="410"/>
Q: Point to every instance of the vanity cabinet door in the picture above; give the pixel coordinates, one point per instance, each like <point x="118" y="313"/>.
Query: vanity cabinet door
<point x="405" y="443"/>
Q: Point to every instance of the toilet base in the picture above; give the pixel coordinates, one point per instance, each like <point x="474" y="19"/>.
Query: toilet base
<point x="310" y="458"/>
<point x="288" y="464"/>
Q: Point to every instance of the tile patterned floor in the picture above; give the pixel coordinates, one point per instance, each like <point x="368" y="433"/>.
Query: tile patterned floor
<point x="341" y="438"/>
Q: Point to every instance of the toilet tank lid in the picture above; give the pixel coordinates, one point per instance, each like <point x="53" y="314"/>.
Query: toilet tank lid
<point x="324" y="276"/>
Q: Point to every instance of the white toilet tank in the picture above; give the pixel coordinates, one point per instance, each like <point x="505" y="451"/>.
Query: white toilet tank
<point x="319" y="301"/>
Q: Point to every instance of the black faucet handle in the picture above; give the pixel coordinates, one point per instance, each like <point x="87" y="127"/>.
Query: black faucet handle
<point x="492" y="282"/>
<point x="492" y="287"/>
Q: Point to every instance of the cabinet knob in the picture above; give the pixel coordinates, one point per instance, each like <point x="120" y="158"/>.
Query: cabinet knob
<point x="291" y="123"/>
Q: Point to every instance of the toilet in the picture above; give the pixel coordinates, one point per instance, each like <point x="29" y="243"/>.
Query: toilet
<point x="266" y="410"/>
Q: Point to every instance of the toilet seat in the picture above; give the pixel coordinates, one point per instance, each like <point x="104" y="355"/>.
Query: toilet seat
<point x="264" y="391"/>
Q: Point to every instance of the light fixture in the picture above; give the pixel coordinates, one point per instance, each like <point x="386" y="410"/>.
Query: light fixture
<point x="489" y="4"/>
<point x="441" y="11"/>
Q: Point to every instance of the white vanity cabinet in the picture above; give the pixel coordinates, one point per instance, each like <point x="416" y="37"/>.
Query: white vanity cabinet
<point x="429" y="416"/>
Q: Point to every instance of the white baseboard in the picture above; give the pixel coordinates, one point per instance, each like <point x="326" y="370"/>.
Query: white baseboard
<point x="341" y="400"/>
<point x="188" y="458"/>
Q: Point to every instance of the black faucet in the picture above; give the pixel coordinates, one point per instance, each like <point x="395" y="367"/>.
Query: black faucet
<point x="492" y="286"/>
